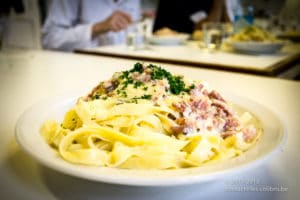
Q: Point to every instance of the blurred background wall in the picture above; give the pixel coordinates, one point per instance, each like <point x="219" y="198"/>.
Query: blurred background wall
<point x="20" y="24"/>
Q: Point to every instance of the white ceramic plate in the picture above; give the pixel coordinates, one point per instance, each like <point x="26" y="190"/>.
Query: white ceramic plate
<point x="29" y="138"/>
<point x="257" y="47"/>
<point x="169" y="40"/>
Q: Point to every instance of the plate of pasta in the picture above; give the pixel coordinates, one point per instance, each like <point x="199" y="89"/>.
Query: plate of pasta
<point x="255" y="40"/>
<point x="148" y="127"/>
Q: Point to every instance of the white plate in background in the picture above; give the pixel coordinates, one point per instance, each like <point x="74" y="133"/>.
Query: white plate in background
<point x="252" y="47"/>
<point x="169" y="39"/>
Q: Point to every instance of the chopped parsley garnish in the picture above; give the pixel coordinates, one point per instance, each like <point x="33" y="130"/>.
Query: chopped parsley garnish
<point x="159" y="73"/>
<point x="138" y="67"/>
<point x="193" y="86"/>
<point x="127" y="81"/>
<point x="176" y="83"/>
<point x="97" y="96"/>
<point x="137" y="84"/>
<point x="145" y="88"/>
<point x="146" y="96"/>
<point x="190" y="88"/>
<point x="124" y="75"/>
<point x="124" y="94"/>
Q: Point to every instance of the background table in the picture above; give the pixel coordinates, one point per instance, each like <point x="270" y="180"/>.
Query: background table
<point x="27" y="77"/>
<point x="191" y="54"/>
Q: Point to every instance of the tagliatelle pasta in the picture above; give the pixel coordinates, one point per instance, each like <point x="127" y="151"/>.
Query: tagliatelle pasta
<point x="148" y="118"/>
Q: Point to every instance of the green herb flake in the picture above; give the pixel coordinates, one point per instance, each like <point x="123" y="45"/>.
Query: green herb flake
<point x="124" y="75"/>
<point x="96" y="96"/>
<point x="146" y="96"/>
<point x="190" y="88"/>
<point x="159" y="73"/>
<point x="138" y="67"/>
<point x="176" y="83"/>
<point x="193" y="86"/>
<point x="137" y="84"/>
<point x="124" y="94"/>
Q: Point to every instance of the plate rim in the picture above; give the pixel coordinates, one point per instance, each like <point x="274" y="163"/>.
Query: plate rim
<point x="257" y="47"/>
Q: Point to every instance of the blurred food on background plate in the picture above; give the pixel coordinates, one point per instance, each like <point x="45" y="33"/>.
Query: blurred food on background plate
<point x="197" y="35"/>
<point x="165" y="31"/>
<point x="253" y="33"/>
<point x="167" y="36"/>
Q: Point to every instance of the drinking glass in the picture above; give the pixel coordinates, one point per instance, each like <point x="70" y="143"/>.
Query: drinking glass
<point x="135" y="36"/>
<point x="212" y="35"/>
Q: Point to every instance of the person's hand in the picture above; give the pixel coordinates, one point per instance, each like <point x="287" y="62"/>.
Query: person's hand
<point x="115" y="22"/>
<point x="118" y="21"/>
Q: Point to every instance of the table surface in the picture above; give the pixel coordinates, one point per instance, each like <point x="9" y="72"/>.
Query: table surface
<point x="192" y="54"/>
<point x="27" y="77"/>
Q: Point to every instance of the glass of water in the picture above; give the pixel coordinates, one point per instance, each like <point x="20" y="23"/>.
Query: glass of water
<point x="135" y="37"/>
<point x="213" y="35"/>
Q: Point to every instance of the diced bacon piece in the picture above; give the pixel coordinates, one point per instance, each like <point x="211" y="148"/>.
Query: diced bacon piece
<point x="107" y="84"/>
<point x="199" y="104"/>
<point x="177" y="129"/>
<point x="142" y="77"/>
<point x="215" y="95"/>
<point x="249" y="133"/>
<point x="223" y="106"/>
<point x="227" y="134"/>
<point x="135" y="75"/>
<point x="197" y="92"/>
<point x="219" y="123"/>
<point x="184" y="125"/>
<point x="187" y="112"/>
<point x="146" y="77"/>
<point x="231" y="123"/>
<point x="205" y="92"/>
<point x="110" y="85"/>
<point x="163" y="83"/>
<point x="181" y="106"/>
<point x="98" y="88"/>
<point x="181" y="129"/>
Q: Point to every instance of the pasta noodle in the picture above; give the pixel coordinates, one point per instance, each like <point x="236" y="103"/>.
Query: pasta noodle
<point x="147" y="118"/>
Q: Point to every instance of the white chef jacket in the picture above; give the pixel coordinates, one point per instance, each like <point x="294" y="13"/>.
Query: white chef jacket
<point x="69" y="23"/>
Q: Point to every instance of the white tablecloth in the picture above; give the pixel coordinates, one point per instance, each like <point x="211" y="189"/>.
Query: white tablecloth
<point x="26" y="77"/>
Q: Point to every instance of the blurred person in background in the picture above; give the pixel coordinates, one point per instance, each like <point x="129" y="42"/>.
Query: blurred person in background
<point x="6" y="6"/>
<point x="72" y="24"/>
<point x="186" y="16"/>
